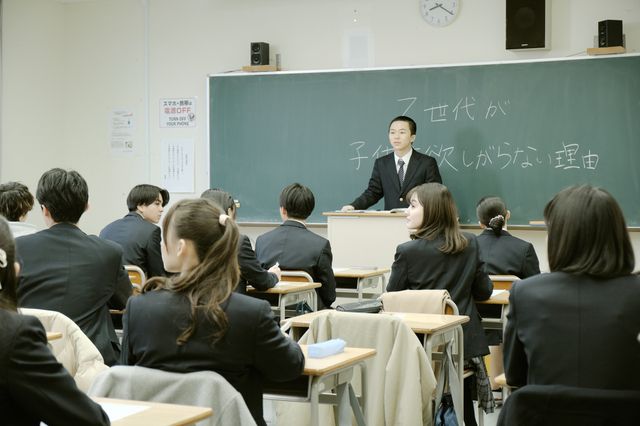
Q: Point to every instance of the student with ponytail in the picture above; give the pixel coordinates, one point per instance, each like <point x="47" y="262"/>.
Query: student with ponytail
<point x="502" y="253"/>
<point x="195" y="321"/>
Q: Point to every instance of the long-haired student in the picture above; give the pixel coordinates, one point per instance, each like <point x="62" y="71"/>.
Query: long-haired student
<point x="578" y="325"/>
<point x="195" y="321"/>
<point x="34" y="387"/>
<point x="440" y="256"/>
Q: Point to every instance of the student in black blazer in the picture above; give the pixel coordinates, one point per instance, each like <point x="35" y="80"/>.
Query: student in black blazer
<point x="137" y="232"/>
<point x="501" y="252"/>
<point x="414" y="167"/>
<point x="294" y="247"/>
<point x="251" y="272"/>
<point x="66" y="270"/>
<point x="195" y="321"/>
<point x="439" y="256"/>
<point x="578" y="325"/>
<point x="34" y="387"/>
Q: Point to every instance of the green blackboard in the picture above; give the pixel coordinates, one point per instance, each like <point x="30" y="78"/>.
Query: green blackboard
<point x="520" y="130"/>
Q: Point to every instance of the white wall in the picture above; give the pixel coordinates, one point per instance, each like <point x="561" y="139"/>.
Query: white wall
<point x="67" y="63"/>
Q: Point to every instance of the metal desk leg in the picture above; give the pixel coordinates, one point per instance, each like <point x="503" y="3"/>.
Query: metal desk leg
<point x="281" y="303"/>
<point x="315" y="403"/>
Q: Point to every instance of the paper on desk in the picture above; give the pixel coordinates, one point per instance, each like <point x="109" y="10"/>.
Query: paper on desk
<point x="117" y="411"/>
<point x="494" y="293"/>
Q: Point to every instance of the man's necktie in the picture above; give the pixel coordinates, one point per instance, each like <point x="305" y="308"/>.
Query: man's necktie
<point x="401" y="171"/>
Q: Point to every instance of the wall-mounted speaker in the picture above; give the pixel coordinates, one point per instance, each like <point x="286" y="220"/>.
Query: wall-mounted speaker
<point x="528" y="24"/>
<point x="259" y="53"/>
<point x="610" y="33"/>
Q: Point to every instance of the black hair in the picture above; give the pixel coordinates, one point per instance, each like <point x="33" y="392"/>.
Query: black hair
<point x="220" y="197"/>
<point x="298" y="200"/>
<point x="64" y="193"/>
<point x="8" y="279"/>
<point x="146" y="195"/>
<point x="413" y="127"/>
<point x="587" y="233"/>
<point x="492" y="213"/>
<point x="15" y="200"/>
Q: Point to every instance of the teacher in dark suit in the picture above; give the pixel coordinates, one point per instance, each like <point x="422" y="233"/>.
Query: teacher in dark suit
<point x="578" y="325"/>
<point x="137" y="233"/>
<point x="66" y="270"/>
<point x="394" y="175"/>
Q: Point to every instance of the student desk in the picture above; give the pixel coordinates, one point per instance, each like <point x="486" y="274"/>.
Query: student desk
<point x="324" y="374"/>
<point x="291" y="292"/>
<point x="53" y="335"/>
<point x="436" y="330"/>
<point x="154" y="413"/>
<point x="350" y="281"/>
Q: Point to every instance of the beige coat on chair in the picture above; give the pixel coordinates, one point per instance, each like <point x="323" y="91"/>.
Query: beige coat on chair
<point x="74" y="351"/>
<point x="400" y="381"/>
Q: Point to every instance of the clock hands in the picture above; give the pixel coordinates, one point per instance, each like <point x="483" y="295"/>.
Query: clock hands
<point x="439" y="5"/>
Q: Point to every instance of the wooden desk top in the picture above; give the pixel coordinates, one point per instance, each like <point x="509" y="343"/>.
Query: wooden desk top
<point x="156" y="414"/>
<point x="359" y="273"/>
<point x="53" y="335"/>
<point x="419" y="323"/>
<point x="500" y="299"/>
<point x="285" y="287"/>
<point x="321" y="366"/>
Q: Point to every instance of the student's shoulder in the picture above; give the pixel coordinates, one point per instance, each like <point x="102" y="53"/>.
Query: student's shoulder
<point x="247" y="305"/>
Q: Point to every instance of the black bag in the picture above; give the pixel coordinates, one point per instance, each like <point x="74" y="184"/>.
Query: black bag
<point x="367" y="307"/>
<point x="446" y="414"/>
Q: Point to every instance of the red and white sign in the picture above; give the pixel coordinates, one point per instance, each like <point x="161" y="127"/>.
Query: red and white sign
<point x="178" y="113"/>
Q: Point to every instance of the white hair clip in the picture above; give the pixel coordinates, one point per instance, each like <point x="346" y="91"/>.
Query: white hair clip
<point x="223" y="219"/>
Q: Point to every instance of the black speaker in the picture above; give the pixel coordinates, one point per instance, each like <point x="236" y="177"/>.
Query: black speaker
<point x="609" y="33"/>
<point x="259" y="53"/>
<point x="526" y="24"/>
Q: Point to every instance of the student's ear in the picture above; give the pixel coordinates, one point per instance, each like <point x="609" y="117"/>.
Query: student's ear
<point x="508" y="215"/>
<point x="16" y="266"/>
<point x="181" y="248"/>
<point x="283" y="213"/>
<point x="413" y="138"/>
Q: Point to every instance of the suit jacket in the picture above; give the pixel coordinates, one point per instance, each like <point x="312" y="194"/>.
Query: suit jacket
<point x="252" y="348"/>
<point x="574" y="330"/>
<point x="296" y="248"/>
<point x="140" y="242"/>
<point x="251" y="272"/>
<point x="384" y="181"/>
<point x="507" y="255"/>
<point x="79" y="275"/>
<point x="419" y="264"/>
<point x="34" y="387"/>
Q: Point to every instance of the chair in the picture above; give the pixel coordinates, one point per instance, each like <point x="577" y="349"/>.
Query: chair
<point x="557" y="405"/>
<point x="296" y="276"/>
<point x="202" y="388"/>
<point x="75" y="351"/>
<point x="137" y="277"/>
<point x="433" y="302"/>
<point x="503" y="282"/>
<point x="399" y="379"/>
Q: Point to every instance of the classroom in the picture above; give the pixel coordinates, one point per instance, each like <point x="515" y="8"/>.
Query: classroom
<point x="73" y="71"/>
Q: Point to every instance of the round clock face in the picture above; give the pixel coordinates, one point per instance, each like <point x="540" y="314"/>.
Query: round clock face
<point x="439" y="12"/>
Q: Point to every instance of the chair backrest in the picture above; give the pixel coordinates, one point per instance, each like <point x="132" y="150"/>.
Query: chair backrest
<point x="202" y="388"/>
<point x="75" y="351"/>
<point x="399" y="379"/>
<point x="136" y="276"/>
<point x="503" y="282"/>
<point x="297" y="276"/>
<point x="544" y="405"/>
<point x="419" y="301"/>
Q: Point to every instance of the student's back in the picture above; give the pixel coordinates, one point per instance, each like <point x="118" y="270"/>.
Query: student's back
<point x="501" y="252"/>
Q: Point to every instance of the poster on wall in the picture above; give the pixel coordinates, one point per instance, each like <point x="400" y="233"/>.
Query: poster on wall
<point x="178" y="113"/>
<point x="121" y="126"/>
<point x="177" y="165"/>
